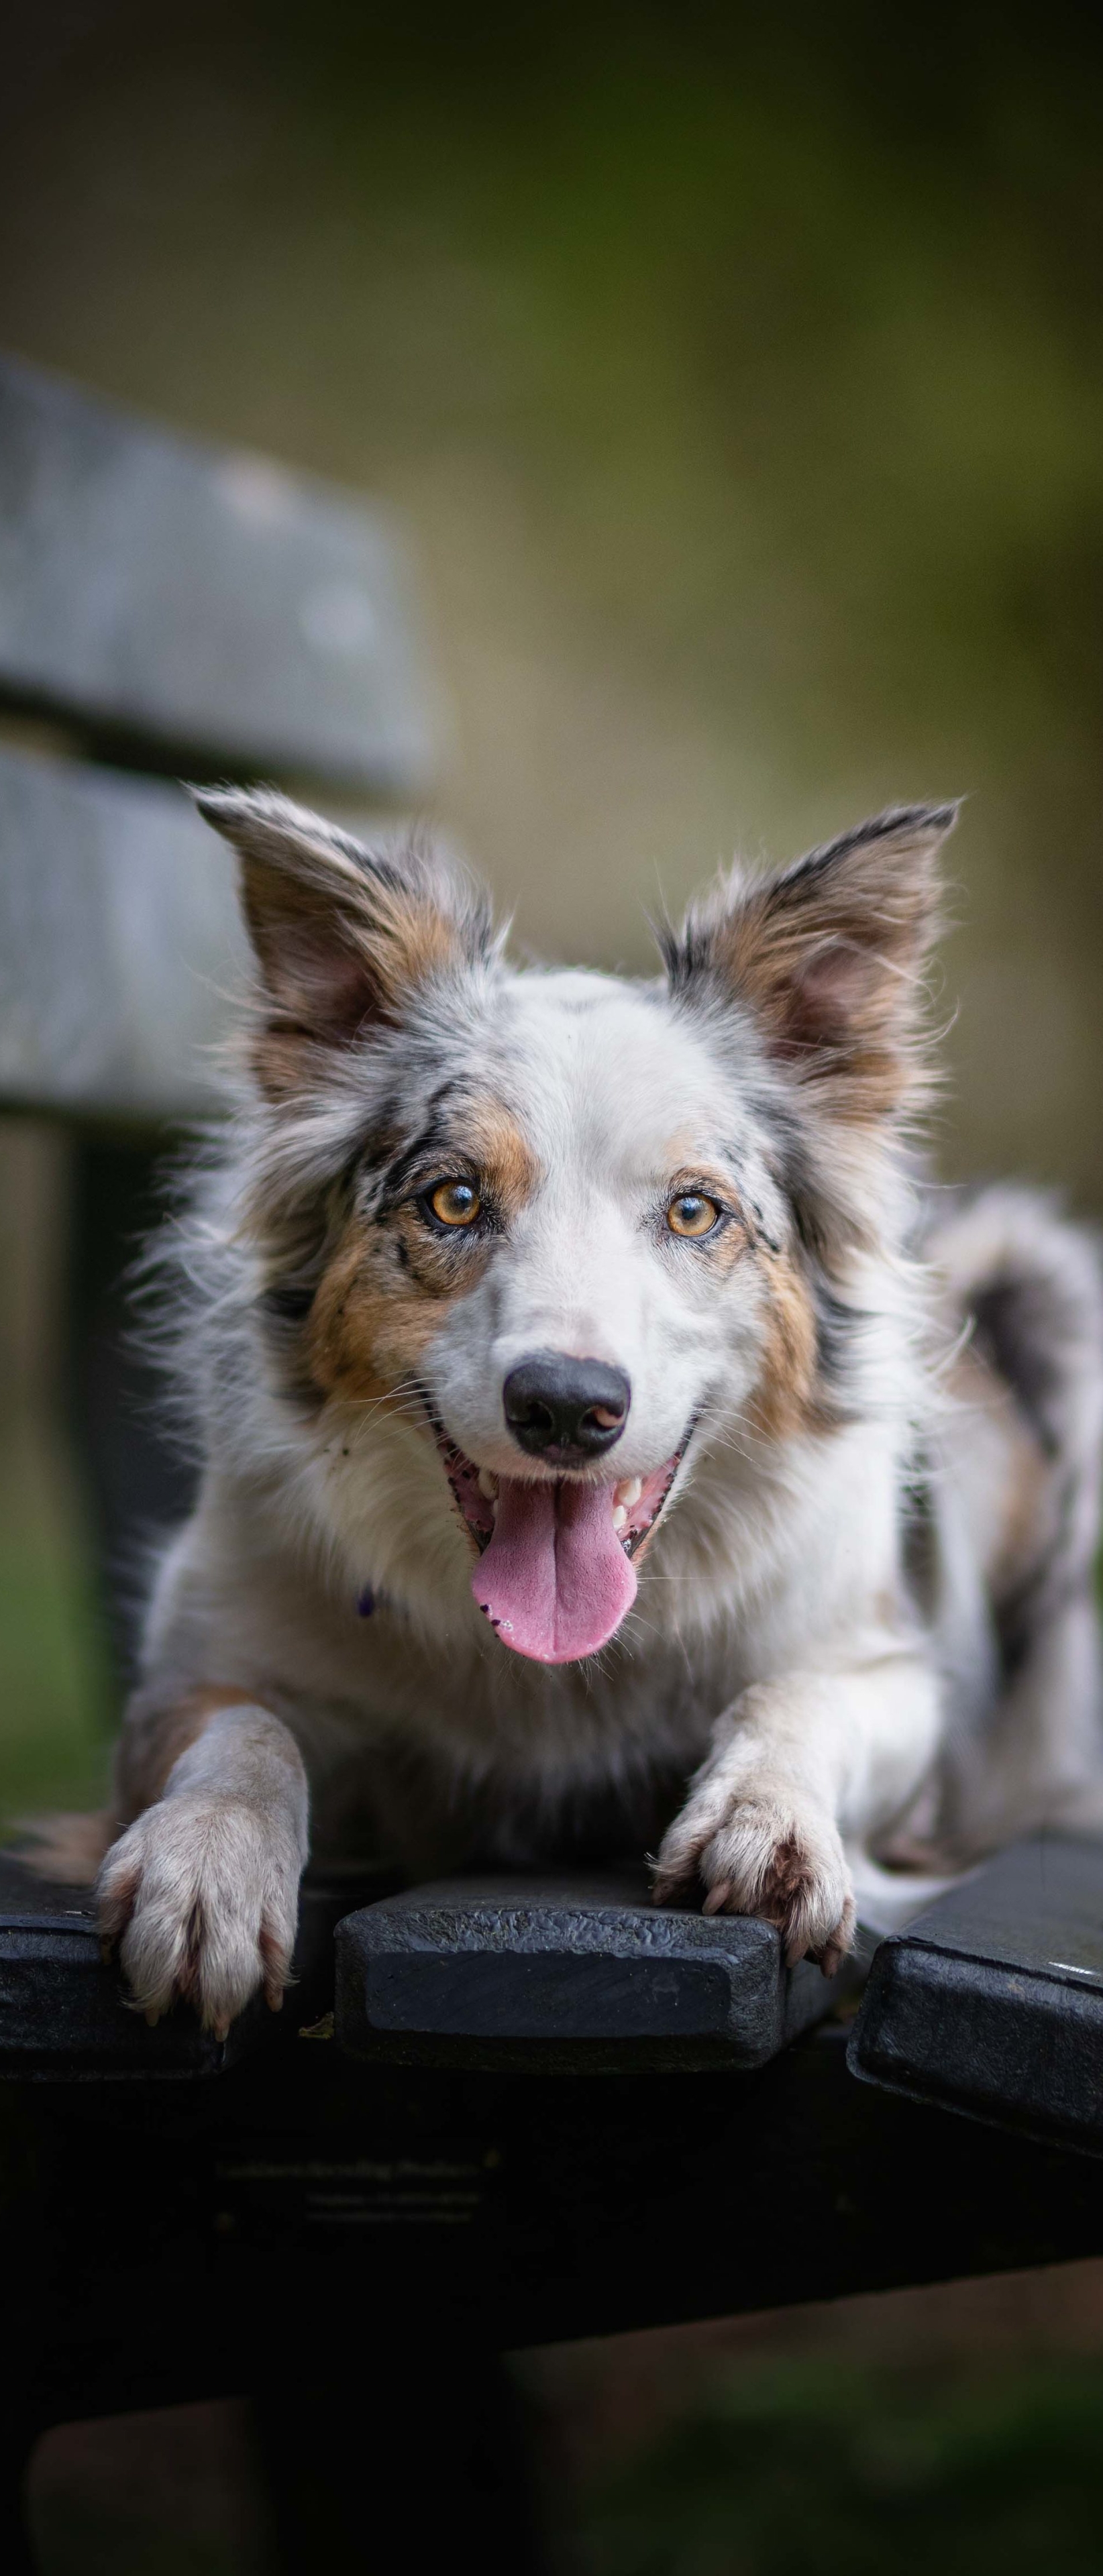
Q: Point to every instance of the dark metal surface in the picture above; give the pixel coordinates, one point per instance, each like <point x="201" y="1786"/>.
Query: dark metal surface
<point x="991" y="2003"/>
<point x="207" y="602"/>
<point x="470" y="1969"/>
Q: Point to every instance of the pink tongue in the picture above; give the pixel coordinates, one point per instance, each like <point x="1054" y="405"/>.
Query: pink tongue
<point x="555" y="1580"/>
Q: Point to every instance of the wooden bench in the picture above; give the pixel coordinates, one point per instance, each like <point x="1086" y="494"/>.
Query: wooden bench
<point x="520" y="2109"/>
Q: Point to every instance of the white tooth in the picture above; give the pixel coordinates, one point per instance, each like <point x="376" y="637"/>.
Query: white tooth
<point x="629" y="1490"/>
<point x="488" y="1483"/>
<point x="494" y="1509"/>
<point x="620" y="1517"/>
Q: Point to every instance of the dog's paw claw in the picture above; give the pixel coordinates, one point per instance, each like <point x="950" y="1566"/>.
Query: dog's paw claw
<point x="839" y="1943"/>
<point x="718" y="1897"/>
<point x="200" y="1898"/>
<point x="671" y="1887"/>
<point x="753" y="1851"/>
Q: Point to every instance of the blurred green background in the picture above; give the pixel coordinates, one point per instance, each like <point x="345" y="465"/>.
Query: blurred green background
<point x="741" y="377"/>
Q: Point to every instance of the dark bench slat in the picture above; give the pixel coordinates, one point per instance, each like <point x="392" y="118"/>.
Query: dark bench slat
<point x="119" y="942"/>
<point x="64" y="2016"/>
<point x="435" y="1974"/>
<point x="253" y="2217"/>
<point x="206" y="601"/>
<point x="467" y="1970"/>
<point x="991" y="2003"/>
<point x="63" y="2013"/>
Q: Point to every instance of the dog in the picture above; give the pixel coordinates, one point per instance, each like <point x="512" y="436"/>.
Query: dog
<point x="610" y="1441"/>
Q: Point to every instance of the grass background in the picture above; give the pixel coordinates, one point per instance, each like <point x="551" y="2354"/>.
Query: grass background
<point x="999" y="2473"/>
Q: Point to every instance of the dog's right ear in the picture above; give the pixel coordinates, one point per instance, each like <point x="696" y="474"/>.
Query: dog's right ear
<point x="342" y="936"/>
<point x="828" y="959"/>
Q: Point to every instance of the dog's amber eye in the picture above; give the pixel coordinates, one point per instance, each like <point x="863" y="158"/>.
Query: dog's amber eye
<point x="691" y="1214"/>
<point x="455" y="1202"/>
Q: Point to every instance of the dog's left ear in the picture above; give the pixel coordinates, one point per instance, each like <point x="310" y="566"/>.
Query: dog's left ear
<point x="343" y="936"/>
<point x="827" y="957"/>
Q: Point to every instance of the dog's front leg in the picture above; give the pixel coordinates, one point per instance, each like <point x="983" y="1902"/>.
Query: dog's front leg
<point x="794" y="1764"/>
<point x="201" y="1892"/>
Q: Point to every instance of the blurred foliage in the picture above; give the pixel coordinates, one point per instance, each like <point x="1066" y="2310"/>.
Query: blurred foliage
<point x="54" y="1697"/>
<point x="54" y="1693"/>
<point x="769" y="2471"/>
<point x="811" y="2465"/>
<point x="742" y="374"/>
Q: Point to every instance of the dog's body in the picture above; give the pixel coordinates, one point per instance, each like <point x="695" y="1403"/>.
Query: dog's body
<point x="509" y="1290"/>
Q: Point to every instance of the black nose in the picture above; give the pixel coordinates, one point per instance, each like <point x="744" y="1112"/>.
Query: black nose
<point x="566" y="1410"/>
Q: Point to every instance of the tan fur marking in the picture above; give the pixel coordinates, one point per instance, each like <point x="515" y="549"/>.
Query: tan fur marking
<point x="786" y="974"/>
<point x="372" y="1318"/>
<point x="1011" y="1472"/>
<point x="678" y="1154"/>
<point x="280" y="1060"/>
<point x="68" y="1849"/>
<point x="383" y="1295"/>
<point x="503" y="1153"/>
<point x="146" y="1758"/>
<point x="829" y="958"/>
<point x="784" y="1400"/>
<point x="413" y="941"/>
<point x="335" y="958"/>
<point x="1030" y="1521"/>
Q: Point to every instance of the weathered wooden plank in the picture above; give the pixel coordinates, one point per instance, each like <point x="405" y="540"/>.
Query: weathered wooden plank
<point x="119" y="944"/>
<point x="991" y="2002"/>
<point x="204" y="600"/>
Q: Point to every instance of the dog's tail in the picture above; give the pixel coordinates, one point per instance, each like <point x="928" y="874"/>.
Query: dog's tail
<point x="1021" y="1458"/>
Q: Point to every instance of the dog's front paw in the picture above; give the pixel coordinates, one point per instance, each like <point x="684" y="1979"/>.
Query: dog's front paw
<point x="201" y="1898"/>
<point x="756" y="1850"/>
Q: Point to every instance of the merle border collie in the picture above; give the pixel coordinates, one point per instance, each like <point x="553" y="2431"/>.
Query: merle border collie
<point x="610" y="1441"/>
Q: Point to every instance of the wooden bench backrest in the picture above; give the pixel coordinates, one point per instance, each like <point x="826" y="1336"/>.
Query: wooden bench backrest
<point x="166" y="607"/>
<point x="166" y="610"/>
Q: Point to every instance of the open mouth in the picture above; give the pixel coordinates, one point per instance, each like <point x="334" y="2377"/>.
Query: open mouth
<point x="555" y="1575"/>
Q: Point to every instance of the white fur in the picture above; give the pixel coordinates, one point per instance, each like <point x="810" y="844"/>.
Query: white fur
<point x="203" y="1888"/>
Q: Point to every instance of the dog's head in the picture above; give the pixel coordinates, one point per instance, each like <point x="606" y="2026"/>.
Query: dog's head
<point x="571" y="1233"/>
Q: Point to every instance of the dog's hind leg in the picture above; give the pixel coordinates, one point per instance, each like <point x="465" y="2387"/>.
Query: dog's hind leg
<point x="200" y="1892"/>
